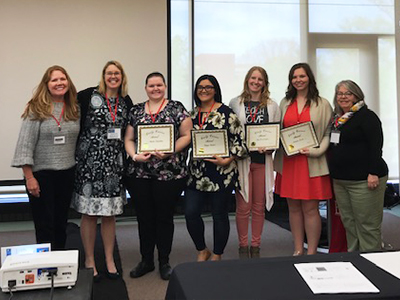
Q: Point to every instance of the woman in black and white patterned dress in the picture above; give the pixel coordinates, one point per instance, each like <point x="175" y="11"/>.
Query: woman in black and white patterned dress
<point x="100" y="155"/>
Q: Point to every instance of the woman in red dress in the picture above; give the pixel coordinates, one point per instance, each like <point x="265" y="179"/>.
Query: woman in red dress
<point x="304" y="178"/>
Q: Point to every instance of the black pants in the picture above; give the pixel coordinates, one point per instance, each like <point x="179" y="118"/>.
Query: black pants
<point x="154" y="201"/>
<point x="50" y="209"/>
<point x="194" y="203"/>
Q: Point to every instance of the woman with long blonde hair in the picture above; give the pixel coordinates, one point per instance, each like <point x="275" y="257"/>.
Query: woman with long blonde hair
<point x="99" y="191"/>
<point x="46" y="153"/>
<point x="256" y="174"/>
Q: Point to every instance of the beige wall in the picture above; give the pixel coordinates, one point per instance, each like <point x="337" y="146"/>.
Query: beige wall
<point x="80" y="36"/>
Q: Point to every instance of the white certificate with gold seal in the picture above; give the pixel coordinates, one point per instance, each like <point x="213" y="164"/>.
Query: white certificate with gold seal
<point x="156" y="138"/>
<point x="297" y="137"/>
<point x="262" y="136"/>
<point x="208" y="143"/>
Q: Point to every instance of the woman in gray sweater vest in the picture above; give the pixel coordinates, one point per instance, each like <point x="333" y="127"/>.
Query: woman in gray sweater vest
<point x="46" y="153"/>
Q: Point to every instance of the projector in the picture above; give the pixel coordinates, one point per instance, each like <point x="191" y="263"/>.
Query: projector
<point x="34" y="271"/>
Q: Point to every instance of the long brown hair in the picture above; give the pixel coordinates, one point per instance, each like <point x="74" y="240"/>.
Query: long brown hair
<point x="41" y="105"/>
<point x="313" y="93"/>
<point x="246" y="95"/>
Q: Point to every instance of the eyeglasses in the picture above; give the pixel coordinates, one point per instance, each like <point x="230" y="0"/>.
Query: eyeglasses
<point x="113" y="73"/>
<point x="207" y="88"/>
<point x="347" y="94"/>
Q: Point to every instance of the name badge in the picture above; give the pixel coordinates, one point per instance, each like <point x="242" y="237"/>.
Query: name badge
<point x="114" y="133"/>
<point x="59" y="140"/>
<point x="335" y="136"/>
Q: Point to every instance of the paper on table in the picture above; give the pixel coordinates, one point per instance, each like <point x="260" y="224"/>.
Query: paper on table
<point x="388" y="261"/>
<point x="334" y="278"/>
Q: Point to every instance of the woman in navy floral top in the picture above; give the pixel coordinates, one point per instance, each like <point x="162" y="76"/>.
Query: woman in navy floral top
<point x="156" y="180"/>
<point x="212" y="179"/>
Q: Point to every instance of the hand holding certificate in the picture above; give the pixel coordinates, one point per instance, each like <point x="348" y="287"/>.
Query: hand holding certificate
<point x="297" y="137"/>
<point x="210" y="143"/>
<point x="262" y="136"/>
<point x="156" y="138"/>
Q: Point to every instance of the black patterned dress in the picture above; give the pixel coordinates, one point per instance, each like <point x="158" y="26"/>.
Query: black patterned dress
<point x="100" y="161"/>
<point x="171" y="168"/>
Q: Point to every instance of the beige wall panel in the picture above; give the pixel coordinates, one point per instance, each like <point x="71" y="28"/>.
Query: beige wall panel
<point x="80" y="36"/>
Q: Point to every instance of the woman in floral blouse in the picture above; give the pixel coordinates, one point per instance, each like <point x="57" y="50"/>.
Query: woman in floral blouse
<point x="156" y="180"/>
<point x="212" y="179"/>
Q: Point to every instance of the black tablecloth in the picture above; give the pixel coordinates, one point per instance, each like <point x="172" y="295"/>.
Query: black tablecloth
<point x="269" y="278"/>
<point x="81" y="291"/>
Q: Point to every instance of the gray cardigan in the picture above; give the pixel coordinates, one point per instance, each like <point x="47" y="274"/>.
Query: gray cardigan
<point x="35" y="146"/>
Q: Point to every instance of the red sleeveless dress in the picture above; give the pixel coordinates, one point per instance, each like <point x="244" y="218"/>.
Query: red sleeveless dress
<point x="295" y="182"/>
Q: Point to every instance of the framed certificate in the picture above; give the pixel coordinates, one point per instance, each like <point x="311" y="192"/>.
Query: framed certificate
<point x="156" y="137"/>
<point x="207" y="143"/>
<point x="297" y="137"/>
<point x="262" y="136"/>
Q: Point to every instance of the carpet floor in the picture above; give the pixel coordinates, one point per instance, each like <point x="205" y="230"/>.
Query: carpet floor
<point x="276" y="241"/>
<point x="107" y="288"/>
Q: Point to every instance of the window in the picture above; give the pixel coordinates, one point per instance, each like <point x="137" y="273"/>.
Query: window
<point x="341" y="39"/>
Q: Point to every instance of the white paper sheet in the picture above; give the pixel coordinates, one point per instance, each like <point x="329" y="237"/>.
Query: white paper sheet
<point x="388" y="261"/>
<point x="334" y="278"/>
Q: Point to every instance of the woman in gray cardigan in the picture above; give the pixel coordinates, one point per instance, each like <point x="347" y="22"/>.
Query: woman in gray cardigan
<point x="46" y="153"/>
<point x="256" y="177"/>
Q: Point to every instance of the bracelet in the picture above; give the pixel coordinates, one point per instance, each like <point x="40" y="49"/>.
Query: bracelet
<point x="29" y="178"/>
<point x="134" y="157"/>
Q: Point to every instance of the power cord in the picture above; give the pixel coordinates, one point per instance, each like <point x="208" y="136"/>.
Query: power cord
<point x="11" y="285"/>
<point x="52" y="272"/>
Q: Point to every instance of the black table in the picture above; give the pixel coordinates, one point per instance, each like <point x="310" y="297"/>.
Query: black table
<point x="81" y="291"/>
<point x="269" y="278"/>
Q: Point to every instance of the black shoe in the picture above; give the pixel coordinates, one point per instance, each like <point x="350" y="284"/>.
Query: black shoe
<point x="115" y="275"/>
<point x="97" y="278"/>
<point x="142" y="269"/>
<point x="165" y="271"/>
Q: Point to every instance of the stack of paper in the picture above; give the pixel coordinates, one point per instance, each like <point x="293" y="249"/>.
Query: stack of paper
<point x="334" y="278"/>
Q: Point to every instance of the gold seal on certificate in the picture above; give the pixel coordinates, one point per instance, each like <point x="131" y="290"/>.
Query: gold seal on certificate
<point x="262" y="136"/>
<point x="297" y="137"/>
<point x="207" y="143"/>
<point x="156" y="137"/>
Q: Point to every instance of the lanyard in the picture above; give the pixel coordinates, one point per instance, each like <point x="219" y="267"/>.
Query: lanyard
<point x="201" y="123"/>
<point x="59" y="121"/>
<point x="253" y="116"/>
<point x="113" y="114"/>
<point x="153" y="117"/>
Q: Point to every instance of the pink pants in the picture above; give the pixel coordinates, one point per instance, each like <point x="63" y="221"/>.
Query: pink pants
<point x="256" y="206"/>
